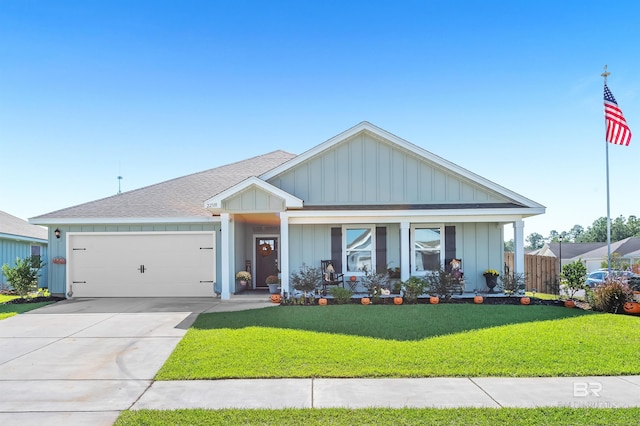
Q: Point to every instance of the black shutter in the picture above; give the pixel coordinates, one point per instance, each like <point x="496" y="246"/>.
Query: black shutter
<point x="381" y="249"/>
<point x="336" y="249"/>
<point x="449" y="245"/>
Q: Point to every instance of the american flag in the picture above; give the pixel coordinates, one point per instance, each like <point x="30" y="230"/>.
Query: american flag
<point x="617" y="130"/>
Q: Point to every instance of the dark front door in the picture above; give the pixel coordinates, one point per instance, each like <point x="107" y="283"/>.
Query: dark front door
<point x="266" y="259"/>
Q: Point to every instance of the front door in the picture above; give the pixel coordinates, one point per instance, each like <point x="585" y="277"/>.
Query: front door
<point x="266" y="259"/>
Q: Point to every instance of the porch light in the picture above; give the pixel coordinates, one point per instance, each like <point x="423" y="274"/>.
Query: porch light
<point x="57" y="232"/>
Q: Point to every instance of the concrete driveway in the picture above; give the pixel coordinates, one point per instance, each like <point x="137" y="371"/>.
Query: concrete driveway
<point x="82" y="361"/>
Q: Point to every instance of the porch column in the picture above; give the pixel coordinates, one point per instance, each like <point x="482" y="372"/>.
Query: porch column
<point x="225" y="259"/>
<point x="518" y="246"/>
<point x="284" y="252"/>
<point x="405" y="252"/>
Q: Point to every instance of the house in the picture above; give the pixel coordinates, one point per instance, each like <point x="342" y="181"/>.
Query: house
<point x="20" y="239"/>
<point x="365" y="199"/>
<point x="593" y="254"/>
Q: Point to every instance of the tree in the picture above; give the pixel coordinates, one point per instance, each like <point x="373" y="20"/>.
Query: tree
<point x="23" y="276"/>
<point x="535" y="241"/>
<point x="508" y="245"/>
<point x="573" y="276"/>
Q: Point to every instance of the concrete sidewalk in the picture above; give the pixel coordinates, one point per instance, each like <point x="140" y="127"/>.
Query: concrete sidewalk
<point x="83" y="361"/>
<point x="603" y="392"/>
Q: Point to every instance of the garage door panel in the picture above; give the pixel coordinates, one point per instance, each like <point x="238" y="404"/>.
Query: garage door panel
<point x="142" y="265"/>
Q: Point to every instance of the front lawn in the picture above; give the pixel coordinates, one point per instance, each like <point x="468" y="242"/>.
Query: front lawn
<point x="372" y="416"/>
<point x="10" y="309"/>
<point x="406" y="341"/>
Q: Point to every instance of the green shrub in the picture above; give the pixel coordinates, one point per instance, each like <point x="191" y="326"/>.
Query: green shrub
<point x="413" y="287"/>
<point x="341" y="295"/>
<point x="307" y="279"/>
<point x="574" y="276"/>
<point x="611" y="295"/>
<point x="23" y="276"/>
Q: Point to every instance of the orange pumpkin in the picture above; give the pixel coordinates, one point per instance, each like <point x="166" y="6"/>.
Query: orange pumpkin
<point x="322" y="301"/>
<point x="353" y="278"/>
<point x="397" y="300"/>
<point x="632" y="308"/>
<point x="525" y="300"/>
<point x="569" y="304"/>
<point x="365" y="301"/>
<point x="275" y="298"/>
<point x="434" y="300"/>
<point x="478" y="299"/>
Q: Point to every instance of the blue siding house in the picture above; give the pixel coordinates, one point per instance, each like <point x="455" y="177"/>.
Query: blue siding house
<point x="19" y="238"/>
<point x="364" y="199"/>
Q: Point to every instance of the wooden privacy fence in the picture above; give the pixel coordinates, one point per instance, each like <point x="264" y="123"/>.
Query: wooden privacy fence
<point x="541" y="272"/>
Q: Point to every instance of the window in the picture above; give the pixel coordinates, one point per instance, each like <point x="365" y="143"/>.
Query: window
<point x="359" y="248"/>
<point x="35" y="251"/>
<point x="426" y="248"/>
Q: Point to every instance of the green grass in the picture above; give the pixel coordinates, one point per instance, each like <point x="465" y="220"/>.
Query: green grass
<point x="5" y="298"/>
<point x="375" y="416"/>
<point x="406" y="341"/>
<point x="7" y="311"/>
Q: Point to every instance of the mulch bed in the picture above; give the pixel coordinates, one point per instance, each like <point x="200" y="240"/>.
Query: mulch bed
<point x="39" y="299"/>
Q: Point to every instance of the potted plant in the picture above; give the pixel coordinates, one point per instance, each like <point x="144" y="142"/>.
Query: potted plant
<point x="491" y="278"/>
<point x="243" y="277"/>
<point x="274" y="284"/>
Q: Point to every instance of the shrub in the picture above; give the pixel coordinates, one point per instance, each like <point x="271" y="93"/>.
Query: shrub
<point x="375" y="283"/>
<point x="611" y="295"/>
<point x="574" y="275"/>
<point x="512" y="283"/>
<point x="413" y="287"/>
<point x="307" y="279"/>
<point x="23" y="276"/>
<point x="342" y="296"/>
<point x="442" y="283"/>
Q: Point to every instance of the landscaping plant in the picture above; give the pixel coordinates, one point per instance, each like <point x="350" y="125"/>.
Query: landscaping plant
<point x="412" y="288"/>
<point x="611" y="295"/>
<point x="23" y="276"/>
<point x="342" y="296"/>
<point x="574" y="275"/>
<point x="442" y="283"/>
<point x="376" y="283"/>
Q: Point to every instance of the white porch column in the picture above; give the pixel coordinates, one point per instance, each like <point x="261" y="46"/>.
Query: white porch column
<point x="284" y="252"/>
<point x="518" y="247"/>
<point x="225" y="258"/>
<point x="405" y="252"/>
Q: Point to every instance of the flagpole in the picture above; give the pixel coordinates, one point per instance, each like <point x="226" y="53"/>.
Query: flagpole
<point x="605" y="74"/>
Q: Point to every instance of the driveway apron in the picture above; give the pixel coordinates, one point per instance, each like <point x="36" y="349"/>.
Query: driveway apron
<point x="83" y="361"/>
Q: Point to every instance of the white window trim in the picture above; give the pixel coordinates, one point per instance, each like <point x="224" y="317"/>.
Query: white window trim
<point x="412" y="239"/>
<point x="372" y="227"/>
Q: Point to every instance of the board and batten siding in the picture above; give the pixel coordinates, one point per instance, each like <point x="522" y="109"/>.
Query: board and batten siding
<point x="58" y="248"/>
<point x="253" y="200"/>
<point x="11" y="249"/>
<point x="366" y="170"/>
<point x="475" y="245"/>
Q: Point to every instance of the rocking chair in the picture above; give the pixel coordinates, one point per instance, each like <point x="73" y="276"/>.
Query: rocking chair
<point x="330" y="276"/>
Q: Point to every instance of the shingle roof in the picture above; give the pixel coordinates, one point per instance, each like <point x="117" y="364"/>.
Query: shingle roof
<point x="176" y="198"/>
<point x="12" y="225"/>
<point x="574" y="250"/>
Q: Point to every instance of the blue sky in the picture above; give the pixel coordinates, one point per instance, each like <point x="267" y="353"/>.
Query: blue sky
<point x="153" y="90"/>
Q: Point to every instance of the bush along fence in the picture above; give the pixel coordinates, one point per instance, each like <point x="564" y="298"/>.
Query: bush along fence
<point x="541" y="272"/>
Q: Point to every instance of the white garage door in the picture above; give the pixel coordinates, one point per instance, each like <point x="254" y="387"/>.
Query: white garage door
<point x="141" y="264"/>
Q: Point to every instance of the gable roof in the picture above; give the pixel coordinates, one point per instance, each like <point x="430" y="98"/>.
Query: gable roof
<point x="569" y="250"/>
<point x="15" y="228"/>
<point x="366" y="127"/>
<point x="173" y="200"/>
<point x="622" y="247"/>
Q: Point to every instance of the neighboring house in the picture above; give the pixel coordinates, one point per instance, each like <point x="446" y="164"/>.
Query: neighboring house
<point x="363" y="199"/>
<point x="19" y="238"/>
<point x="593" y="254"/>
